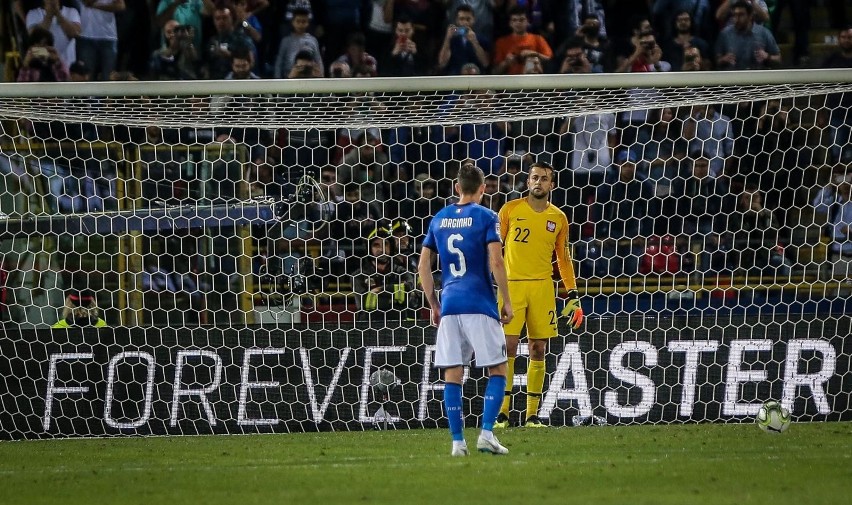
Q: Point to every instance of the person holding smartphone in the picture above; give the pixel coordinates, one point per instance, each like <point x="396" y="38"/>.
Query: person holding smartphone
<point x="404" y="59"/>
<point x="511" y="51"/>
<point x="462" y="45"/>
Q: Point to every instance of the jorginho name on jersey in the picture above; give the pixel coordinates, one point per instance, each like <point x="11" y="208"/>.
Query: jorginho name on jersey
<point x="460" y="234"/>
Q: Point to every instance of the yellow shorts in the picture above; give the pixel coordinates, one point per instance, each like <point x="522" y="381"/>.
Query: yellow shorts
<point x="534" y="304"/>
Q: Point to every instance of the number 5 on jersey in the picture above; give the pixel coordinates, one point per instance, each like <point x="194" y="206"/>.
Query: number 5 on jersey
<point x="451" y="246"/>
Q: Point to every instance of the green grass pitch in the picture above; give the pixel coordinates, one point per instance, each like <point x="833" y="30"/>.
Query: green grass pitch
<point x="684" y="464"/>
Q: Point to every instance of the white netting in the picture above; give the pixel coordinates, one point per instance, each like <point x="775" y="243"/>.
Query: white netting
<point x="251" y="247"/>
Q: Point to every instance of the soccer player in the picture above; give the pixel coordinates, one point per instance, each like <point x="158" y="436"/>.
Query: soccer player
<point x="466" y="237"/>
<point x="532" y="229"/>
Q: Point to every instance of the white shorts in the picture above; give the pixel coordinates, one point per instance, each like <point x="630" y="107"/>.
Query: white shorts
<point x="463" y="336"/>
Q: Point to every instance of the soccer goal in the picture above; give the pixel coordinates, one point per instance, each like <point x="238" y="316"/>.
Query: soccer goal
<point x="240" y="256"/>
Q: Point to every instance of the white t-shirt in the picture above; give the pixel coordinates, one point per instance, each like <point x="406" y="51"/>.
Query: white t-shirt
<point x="67" y="48"/>
<point x="591" y="142"/>
<point x="98" y="24"/>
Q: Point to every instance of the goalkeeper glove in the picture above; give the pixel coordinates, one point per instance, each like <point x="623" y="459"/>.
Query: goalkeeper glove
<point x="572" y="310"/>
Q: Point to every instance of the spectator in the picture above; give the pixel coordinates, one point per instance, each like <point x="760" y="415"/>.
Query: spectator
<point x="386" y="289"/>
<point x="493" y="199"/>
<point x="692" y="60"/>
<point x="97" y="44"/>
<point x="223" y="43"/>
<point x="753" y="235"/>
<point x="710" y="135"/>
<point x="511" y="51"/>
<point x="80" y="311"/>
<point x="298" y="40"/>
<point x="572" y="18"/>
<point x="624" y="212"/>
<point x="247" y="23"/>
<point x="42" y="63"/>
<point x="592" y="138"/>
<point x="357" y="57"/>
<point x="242" y="62"/>
<point x="702" y="206"/>
<point x="178" y="59"/>
<point x="62" y="22"/>
<point x="462" y="45"/>
<point x="367" y="165"/>
<point x="483" y="15"/>
<point x="647" y="56"/>
<point x="305" y="66"/>
<point x="660" y="141"/>
<point x="840" y="249"/>
<point x="746" y="45"/>
<point x="624" y="46"/>
<point x="840" y="104"/>
<point x="595" y="45"/>
<point x="404" y="59"/>
<point x="355" y="216"/>
<point x="186" y="13"/>
<point x="674" y="47"/>
<point x="725" y="15"/>
<point x="575" y="59"/>
<point x="665" y="13"/>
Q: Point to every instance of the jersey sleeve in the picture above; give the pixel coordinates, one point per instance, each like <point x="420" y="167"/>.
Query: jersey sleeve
<point x="494" y="231"/>
<point x="563" y="257"/>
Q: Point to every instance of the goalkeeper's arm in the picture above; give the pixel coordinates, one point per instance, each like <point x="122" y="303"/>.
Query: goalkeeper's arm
<point x="572" y="310"/>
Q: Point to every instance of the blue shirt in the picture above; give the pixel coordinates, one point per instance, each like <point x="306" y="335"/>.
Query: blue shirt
<point x="460" y="234"/>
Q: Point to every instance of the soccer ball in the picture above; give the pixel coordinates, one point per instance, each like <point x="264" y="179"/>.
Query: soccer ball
<point x="773" y="418"/>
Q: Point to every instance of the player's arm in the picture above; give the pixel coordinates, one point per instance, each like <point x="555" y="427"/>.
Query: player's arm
<point x="503" y="216"/>
<point x="572" y="310"/>
<point x="427" y="282"/>
<point x="498" y="268"/>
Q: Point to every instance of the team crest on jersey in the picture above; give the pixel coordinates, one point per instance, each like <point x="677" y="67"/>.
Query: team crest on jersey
<point x="551" y="226"/>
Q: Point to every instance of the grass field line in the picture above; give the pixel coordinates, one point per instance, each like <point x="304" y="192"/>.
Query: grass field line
<point x="408" y="461"/>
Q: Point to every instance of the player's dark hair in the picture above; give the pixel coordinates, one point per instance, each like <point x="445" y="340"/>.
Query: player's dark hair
<point x="470" y="178"/>
<point x="545" y="166"/>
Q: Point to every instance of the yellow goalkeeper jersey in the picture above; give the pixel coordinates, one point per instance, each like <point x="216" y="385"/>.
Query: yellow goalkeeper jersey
<point x="530" y="239"/>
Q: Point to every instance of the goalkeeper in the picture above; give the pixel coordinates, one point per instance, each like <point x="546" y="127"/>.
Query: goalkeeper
<point x="532" y="229"/>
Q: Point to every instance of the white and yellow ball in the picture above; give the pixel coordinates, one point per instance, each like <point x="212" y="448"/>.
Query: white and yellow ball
<point x="773" y="418"/>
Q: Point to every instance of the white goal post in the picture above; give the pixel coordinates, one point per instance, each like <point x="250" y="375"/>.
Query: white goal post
<point x="191" y="257"/>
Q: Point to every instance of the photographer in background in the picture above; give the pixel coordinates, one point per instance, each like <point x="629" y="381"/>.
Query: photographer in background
<point x="42" y="62"/>
<point x="178" y="58"/>
<point x="305" y="66"/>
<point x="403" y="60"/>
<point x="647" y="56"/>
<point x="462" y="45"/>
<point x="80" y="311"/>
<point x="575" y="60"/>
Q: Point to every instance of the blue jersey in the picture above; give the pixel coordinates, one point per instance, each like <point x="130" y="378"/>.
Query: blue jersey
<point x="460" y="234"/>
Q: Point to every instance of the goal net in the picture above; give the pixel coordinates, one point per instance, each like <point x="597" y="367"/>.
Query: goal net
<point x="240" y="257"/>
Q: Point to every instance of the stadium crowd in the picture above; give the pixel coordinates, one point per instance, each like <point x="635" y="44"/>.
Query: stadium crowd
<point x="727" y="182"/>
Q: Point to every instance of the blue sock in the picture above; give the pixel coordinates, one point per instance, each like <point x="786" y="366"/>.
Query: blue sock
<point x="453" y="409"/>
<point x="493" y="400"/>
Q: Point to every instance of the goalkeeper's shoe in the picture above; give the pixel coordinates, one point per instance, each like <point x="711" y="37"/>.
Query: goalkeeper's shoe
<point x="459" y="449"/>
<point x="534" y="422"/>
<point x="490" y="444"/>
<point x="502" y="421"/>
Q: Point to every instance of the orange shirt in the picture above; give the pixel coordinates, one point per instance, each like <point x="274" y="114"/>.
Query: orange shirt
<point x="514" y="44"/>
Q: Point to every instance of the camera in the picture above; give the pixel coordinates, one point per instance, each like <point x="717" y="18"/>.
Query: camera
<point x="40" y="52"/>
<point x="461" y="31"/>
